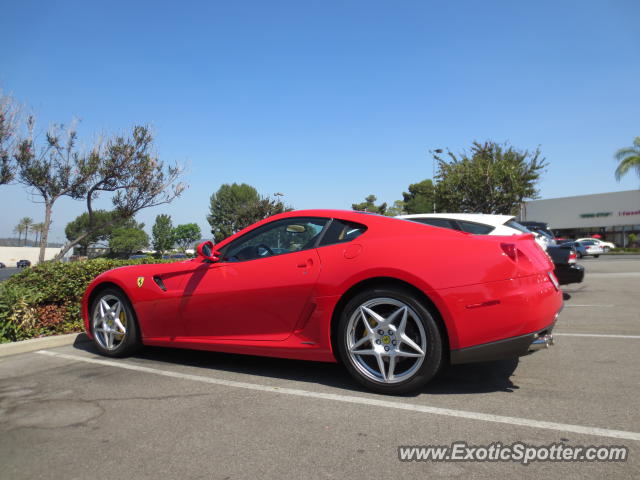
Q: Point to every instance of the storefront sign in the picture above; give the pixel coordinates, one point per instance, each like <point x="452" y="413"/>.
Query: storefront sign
<point x="625" y="213"/>
<point x="594" y="215"/>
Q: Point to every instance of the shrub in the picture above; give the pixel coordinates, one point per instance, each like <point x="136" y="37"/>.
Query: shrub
<point x="45" y="300"/>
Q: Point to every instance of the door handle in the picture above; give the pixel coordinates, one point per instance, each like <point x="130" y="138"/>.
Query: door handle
<point x="308" y="263"/>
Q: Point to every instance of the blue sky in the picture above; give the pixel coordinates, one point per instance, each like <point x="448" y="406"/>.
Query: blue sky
<point x="329" y="101"/>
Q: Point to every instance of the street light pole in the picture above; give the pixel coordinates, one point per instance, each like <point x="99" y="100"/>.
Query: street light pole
<point x="433" y="174"/>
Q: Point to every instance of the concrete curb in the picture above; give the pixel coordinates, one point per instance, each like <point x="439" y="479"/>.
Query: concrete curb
<point x="34" y="344"/>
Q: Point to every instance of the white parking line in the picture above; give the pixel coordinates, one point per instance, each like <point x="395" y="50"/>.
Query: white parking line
<point x="579" y="305"/>
<point x="486" y="417"/>
<point x="614" y="275"/>
<point x="593" y="335"/>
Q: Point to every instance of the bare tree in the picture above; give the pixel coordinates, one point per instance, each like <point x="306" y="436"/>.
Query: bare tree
<point x="124" y="166"/>
<point x="53" y="170"/>
<point x="127" y="168"/>
<point x="9" y="119"/>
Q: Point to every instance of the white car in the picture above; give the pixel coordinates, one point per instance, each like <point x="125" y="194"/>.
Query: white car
<point x="606" y="246"/>
<point x="478" y="224"/>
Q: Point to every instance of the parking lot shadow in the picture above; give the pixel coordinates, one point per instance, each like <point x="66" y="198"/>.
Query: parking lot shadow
<point x="457" y="379"/>
<point x="475" y="378"/>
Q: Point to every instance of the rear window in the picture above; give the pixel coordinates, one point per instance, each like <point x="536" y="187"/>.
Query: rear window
<point x="475" y="228"/>
<point x="436" y="222"/>
<point x="517" y="226"/>
<point x="341" y="231"/>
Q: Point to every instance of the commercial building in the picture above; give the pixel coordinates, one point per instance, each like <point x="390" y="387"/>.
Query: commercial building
<point x="611" y="215"/>
<point x="10" y="255"/>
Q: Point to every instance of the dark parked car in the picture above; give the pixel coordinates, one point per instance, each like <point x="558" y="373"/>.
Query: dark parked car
<point x="564" y="260"/>
<point x="2" y="265"/>
<point x="23" y="264"/>
<point x="538" y="226"/>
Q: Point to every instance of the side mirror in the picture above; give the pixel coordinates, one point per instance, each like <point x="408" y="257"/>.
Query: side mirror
<point x="206" y="251"/>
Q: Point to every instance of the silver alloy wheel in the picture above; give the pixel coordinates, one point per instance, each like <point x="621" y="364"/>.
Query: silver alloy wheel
<point x="109" y="322"/>
<point x="386" y="340"/>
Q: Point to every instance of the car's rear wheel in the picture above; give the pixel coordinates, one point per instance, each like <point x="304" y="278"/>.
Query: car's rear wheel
<point x="389" y="341"/>
<point x="113" y="324"/>
<point x="596" y="256"/>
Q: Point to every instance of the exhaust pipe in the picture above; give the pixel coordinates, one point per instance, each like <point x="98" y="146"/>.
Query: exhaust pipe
<point x="541" y="342"/>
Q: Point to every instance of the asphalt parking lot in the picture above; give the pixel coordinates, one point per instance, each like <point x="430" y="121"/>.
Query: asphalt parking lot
<point x="8" y="272"/>
<point x="69" y="413"/>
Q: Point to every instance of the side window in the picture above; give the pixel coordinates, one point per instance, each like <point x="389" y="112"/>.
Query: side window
<point x="342" y="231"/>
<point x="436" y="222"/>
<point x="277" y="238"/>
<point x="475" y="228"/>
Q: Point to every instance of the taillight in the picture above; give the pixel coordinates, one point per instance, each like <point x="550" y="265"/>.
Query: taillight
<point x="510" y="250"/>
<point x="573" y="257"/>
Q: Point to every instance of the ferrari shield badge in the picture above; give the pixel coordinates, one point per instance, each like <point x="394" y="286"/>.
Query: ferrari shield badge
<point x="140" y="281"/>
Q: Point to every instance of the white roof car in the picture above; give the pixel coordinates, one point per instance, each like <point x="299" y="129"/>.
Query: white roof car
<point x="478" y="224"/>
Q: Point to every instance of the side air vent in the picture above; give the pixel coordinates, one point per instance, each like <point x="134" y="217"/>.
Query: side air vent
<point x="160" y="283"/>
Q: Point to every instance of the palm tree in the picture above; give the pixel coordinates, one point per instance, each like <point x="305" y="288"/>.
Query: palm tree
<point x="37" y="229"/>
<point x="629" y="158"/>
<point x="19" y="228"/>
<point x="26" y="224"/>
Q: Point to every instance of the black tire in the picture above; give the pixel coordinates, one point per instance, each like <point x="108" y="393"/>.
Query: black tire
<point x="417" y="374"/>
<point x="127" y="343"/>
<point x="579" y="255"/>
<point x="596" y="256"/>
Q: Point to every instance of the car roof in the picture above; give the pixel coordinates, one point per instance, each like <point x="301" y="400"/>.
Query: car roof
<point x="486" y="218"/>
<point x="356" y="216"/>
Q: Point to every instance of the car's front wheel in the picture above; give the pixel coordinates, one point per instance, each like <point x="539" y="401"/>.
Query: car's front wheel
<point x="113" y="324"/>
<point x="389" y="341"/>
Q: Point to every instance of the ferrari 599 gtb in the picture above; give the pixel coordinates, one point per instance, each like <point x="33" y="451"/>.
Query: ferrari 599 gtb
<point x="391" y="299"/>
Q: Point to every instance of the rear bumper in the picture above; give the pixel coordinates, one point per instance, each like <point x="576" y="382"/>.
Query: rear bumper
<point x="507" y="348"/>
<point x="569" y="273"/>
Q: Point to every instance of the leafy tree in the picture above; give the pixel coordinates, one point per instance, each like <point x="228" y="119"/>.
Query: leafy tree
<point x="419" y="198"/>
<point x="8" y="128"/>
<point x="128" y="239"/>
<point x="234" y="207"/>
<point x="628" y="159"/>
<point x="162" y="232"/>
<point x="369" y="205"/>
<point x="80" y="225"/>
<point x="186" y="235"/>
<point x="398" y="208"/>
<point x="491" y="178"/>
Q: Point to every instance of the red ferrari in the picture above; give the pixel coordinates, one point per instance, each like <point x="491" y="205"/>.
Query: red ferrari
<point x="393" y="300"/>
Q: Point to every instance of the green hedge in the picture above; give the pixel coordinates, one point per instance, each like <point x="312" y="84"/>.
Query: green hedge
<point x="45" y="300"/>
